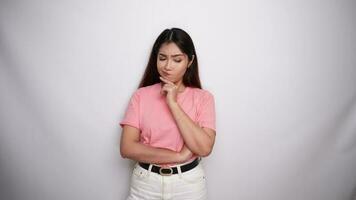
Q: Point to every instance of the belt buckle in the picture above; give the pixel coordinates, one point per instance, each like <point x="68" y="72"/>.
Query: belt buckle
<point x="165" y="168"/>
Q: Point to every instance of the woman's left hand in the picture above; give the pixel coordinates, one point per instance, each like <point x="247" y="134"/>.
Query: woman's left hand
<point x="170" y="89"/>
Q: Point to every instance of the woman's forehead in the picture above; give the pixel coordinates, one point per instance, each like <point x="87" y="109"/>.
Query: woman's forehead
<point x="174" y="55"/>
<point x="170" y="49"/>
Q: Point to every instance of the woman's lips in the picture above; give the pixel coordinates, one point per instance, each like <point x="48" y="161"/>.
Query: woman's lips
<point x="166" y="74"/>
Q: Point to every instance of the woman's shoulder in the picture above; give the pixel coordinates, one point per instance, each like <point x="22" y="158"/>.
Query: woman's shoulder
<point x="147" y="90"/>
<point x="202" y="92"/>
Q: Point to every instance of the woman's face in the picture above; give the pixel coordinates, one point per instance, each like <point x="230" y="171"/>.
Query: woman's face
<point x="171" y="62"/>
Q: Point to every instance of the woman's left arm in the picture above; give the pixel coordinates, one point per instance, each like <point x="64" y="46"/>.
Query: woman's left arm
<point x="200" y="140"/>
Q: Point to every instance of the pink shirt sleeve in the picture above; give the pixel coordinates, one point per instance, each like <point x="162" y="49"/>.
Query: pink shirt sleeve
<point x="206" y="112"/>
<point x="132" y="114"/>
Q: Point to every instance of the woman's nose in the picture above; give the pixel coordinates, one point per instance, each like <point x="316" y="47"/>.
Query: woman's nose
<point x="168" y="65"/>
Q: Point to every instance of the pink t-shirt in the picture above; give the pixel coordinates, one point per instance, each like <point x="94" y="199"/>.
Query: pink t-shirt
<point x="148" y="111"/>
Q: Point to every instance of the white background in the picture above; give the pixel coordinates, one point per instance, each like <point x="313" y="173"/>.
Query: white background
<point x="283" y="74"/>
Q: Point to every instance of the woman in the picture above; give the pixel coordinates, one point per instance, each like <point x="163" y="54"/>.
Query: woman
<point x="169" y="123"/>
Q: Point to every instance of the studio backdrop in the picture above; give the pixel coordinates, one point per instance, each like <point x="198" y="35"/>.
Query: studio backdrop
<point x="283" y="74"/>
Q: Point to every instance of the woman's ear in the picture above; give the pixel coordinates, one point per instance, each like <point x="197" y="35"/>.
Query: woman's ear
<point x="190" y="63"/>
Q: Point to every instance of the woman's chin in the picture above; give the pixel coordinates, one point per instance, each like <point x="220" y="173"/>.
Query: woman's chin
<point x="169" y="78"/>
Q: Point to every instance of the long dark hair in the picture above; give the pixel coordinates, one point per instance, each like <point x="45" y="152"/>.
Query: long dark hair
<point x="185" y="44"/>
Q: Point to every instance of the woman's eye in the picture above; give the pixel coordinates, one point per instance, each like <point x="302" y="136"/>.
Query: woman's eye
<point x="178" y="61"/>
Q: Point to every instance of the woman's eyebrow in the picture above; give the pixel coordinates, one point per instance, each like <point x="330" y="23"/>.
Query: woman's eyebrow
<point x="172" y="55"/>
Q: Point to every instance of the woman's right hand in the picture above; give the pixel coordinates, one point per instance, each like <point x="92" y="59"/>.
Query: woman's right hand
<point x="185" y="154"/>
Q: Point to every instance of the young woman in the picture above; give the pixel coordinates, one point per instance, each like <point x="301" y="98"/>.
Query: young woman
<point x="169" y="123"/>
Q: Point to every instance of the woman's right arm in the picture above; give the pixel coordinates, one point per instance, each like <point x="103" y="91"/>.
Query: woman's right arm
<point x="131" y="148"/>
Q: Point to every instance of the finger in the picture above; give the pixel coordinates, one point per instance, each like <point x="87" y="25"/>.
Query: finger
<point x="163" y="92"/>
<point x="166" y="81"/>
<point x="164" y="89"/>
<point x="168" y="87"/>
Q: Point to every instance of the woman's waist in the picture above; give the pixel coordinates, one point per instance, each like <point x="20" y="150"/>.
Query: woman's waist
<point x="178" y="164"/>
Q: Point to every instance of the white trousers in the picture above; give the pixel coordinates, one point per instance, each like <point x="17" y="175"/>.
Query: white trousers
<point x="189" y="185"/>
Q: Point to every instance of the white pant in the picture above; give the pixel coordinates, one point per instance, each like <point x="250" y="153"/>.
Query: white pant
<point x="189" y="185"/>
